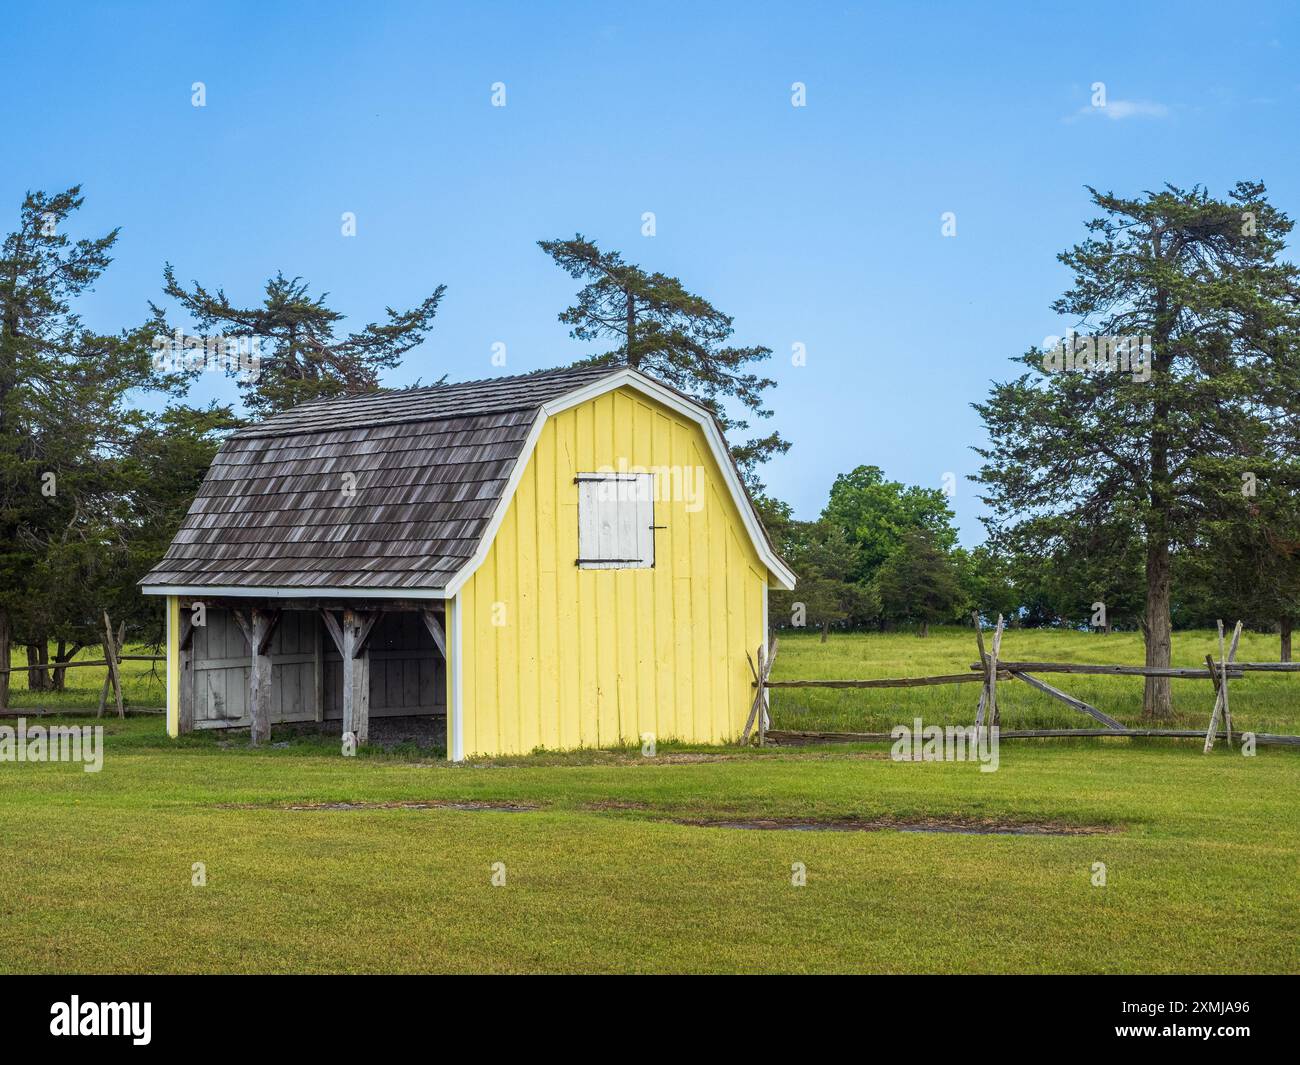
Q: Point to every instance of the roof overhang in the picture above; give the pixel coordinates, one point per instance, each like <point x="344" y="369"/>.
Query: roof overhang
<point x="251" y="592"/>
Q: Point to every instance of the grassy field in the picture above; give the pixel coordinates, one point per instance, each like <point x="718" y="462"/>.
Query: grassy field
<point x="142" y="682"/>
<point x="1260" y="702"/>
<point x="1201" y="853"/>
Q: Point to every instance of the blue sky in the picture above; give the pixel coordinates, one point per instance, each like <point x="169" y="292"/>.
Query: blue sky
<point x="818" y="225"/>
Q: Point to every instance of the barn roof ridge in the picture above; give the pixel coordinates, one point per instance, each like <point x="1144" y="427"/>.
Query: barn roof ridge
<point x="426" y="403"/>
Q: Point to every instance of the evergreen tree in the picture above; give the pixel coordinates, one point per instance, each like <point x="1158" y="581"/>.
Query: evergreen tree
<point x="824" y="558"/>
<point x="672" y="334"/>
<point x="65" y="422"/>
<point x="301" y="357"/>
<point x="1151" y="447"/>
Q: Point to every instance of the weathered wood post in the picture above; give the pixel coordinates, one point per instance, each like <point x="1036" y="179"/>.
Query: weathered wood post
<point x="760" y="694"/>
<point x="185" y="714"/>
<point x="258" y="629"/>
<point x="1219" y="677"/>
<point x="111" y="652"/>
<point x="108" y="673"/>
<point x="350" y="638"/>
<point x="984" y="688"/>
<point x="991" y="672"/>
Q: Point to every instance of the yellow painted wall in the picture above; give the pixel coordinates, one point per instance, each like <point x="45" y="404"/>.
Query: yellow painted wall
<point x="560" y="657"/>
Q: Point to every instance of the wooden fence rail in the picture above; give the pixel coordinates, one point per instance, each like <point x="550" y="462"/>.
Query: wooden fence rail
<point x="113" y="657"/>
<point x="50" y="667"/>
<point x="991" y="668"/>
<point x="799" y="738"/>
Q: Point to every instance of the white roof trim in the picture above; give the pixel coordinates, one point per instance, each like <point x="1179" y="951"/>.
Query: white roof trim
<point x="629" y="378"/>
<point x="233" y="591"/>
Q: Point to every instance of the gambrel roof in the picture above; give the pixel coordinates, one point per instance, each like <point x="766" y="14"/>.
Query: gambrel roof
<point x="392" y="493"/>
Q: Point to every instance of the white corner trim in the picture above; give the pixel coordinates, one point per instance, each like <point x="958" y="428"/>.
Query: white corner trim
<point x="236" y="591"/>
<point x="767" y="652"/>
<point x="456" y="734"/>
<point x="629" y="378"/>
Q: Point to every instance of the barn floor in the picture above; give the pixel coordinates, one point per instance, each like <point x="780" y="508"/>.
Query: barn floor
<point x="424" y="730"/>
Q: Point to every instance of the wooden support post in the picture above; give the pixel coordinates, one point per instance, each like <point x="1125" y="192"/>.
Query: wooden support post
<point x="984" y="688"/>
<point x="108" y="673"/>
<point x="110" y="653"/>
<point x="258" y="629"/>
<point x="1232" y="654"/>
<point x="185" y="674"/>
<point x="350" y="638"/>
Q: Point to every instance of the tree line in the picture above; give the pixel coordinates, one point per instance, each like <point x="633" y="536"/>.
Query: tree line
<point x="1140" y="471"/>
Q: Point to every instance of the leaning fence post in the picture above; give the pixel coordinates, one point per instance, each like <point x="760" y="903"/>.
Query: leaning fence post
<point x="991" y="672"/>
<point x="111" y="653"/>
<point x="760" y="685"/>
<point x="1219" y="674"/>
<point x="1231" y="656"/>
<point x="108" y="673"/>
<point x="984" y="688"/>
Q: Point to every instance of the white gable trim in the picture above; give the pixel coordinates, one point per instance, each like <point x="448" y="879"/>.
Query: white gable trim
<point x="629" y="378"/>
<point x="251" y="592"/>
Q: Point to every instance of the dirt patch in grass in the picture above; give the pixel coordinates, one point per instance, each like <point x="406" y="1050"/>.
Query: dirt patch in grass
<point x="399" y="804"/>
<point x="940" y="825"/>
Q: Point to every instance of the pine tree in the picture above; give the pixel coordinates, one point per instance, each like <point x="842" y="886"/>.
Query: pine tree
<point x="1151" y="446"/>
<point x="671" y="334"/>
<point x="65" y="422"/>
<point x="301" y="357"/>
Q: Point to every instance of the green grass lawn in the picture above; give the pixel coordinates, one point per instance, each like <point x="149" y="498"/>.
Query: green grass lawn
<point x="1202" y="853"/>
<point x="1260" y="702"/>
<point x="95" y="869"/>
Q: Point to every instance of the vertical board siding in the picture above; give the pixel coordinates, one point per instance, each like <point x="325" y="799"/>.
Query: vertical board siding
<point x="561" y="657"/>
<point x="407" y="674"/>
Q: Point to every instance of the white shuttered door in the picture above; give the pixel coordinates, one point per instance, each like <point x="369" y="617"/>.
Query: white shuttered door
<point x="616" y="512"/>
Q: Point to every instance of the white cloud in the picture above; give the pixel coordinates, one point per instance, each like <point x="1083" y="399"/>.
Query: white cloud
<point x="1118" y="110"/>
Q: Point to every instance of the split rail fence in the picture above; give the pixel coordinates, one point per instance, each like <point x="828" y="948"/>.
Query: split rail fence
<point x="992" y="668"/>
<point x="114" y="646"/>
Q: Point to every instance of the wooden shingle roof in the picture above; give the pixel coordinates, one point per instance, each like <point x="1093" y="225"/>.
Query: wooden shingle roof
<point x="387" y="490"/>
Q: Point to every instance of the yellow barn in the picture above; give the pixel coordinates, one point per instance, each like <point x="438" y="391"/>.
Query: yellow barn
<point x="556" y="560"/>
